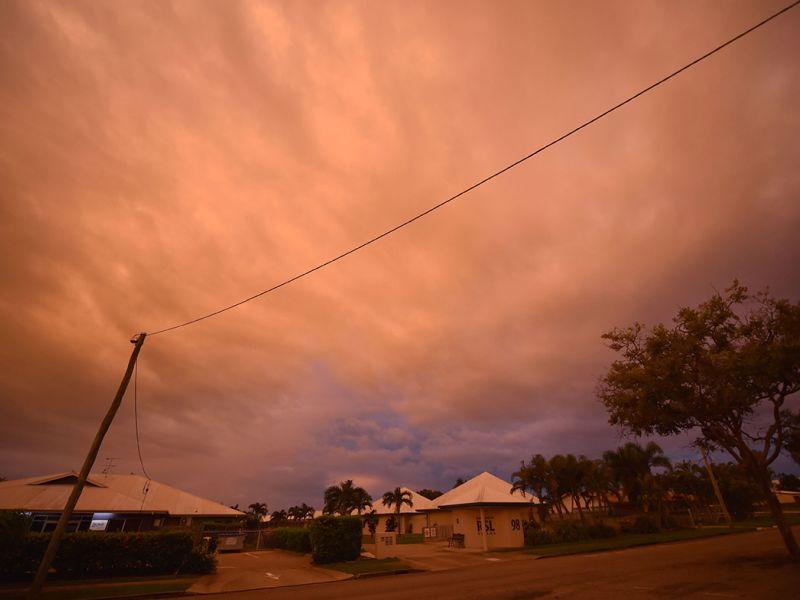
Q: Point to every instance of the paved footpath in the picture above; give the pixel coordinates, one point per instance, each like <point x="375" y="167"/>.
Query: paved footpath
<point x="748" y="565"/>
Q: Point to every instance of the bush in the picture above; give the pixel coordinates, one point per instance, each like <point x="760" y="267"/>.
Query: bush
<point x="89" y="554"/>
<point x="538" y="537"/>
<point x="335" y="539"/>
<point x="564" y="532"/>
<point x="643" y="524"/>
<point x="599" y="531"/>
<point x="569" y="531"/>
<point x="289" y="538"/>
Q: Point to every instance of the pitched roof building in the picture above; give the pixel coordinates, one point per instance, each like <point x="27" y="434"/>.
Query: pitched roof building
<point x="108" y="502"/>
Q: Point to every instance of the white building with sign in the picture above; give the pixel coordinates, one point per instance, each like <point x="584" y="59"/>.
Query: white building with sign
<point x="482" y="512"/>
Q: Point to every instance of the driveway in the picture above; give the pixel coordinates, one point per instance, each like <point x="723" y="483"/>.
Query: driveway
<point x="748" y="565"/>
<point x="265" y="569"/>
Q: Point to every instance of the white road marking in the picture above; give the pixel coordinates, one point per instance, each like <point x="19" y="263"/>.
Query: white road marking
<point x="271" y="576"/>
<point x="251" y="554"/>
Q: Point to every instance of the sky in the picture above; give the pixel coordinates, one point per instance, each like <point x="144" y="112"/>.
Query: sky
<point x="160" y="160"/>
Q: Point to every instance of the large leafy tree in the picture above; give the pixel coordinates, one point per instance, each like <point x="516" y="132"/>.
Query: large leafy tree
<point x="725" y="369"/>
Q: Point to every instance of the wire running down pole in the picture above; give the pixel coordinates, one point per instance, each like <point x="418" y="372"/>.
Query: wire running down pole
<point x="55" y="540"/>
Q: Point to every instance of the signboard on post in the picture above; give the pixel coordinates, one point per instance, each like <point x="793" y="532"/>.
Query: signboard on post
<point x="385" y="544"/>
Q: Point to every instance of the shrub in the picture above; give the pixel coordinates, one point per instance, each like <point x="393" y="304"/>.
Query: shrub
<point x="599" y="531"/>
<point x="289" y="538"/>
<point x="643" y="524"/>
<point x="335" y="539"/>
<point x="538" y="537"/>
<point x="89" y="554"/>
<point x="569" y="531"/>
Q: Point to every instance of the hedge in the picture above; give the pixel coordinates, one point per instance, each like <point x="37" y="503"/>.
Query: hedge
<point x="567" y="532"/>
<point x="289" y="538"/>
<point x="335" y="539"/>
<point x="90" y="554"/>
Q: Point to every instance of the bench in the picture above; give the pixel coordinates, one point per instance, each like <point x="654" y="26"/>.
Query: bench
<point x="456" y="541"/>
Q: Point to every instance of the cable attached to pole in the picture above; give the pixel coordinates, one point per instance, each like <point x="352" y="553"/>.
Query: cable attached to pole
<point x="136" y="417"/>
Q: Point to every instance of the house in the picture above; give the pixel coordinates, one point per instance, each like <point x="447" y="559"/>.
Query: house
<point x="109" y="502"/>
<point x="483" y="510"/>
<point x="790" y="497"/>
<point x="412" y="518"/>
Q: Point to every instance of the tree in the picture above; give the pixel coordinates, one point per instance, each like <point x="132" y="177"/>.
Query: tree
<point x="429" y="494"/>
<point x="397" y="497"/>
<point x="300" y="512"/>
<point x="570" y="471"/>
<point x="631" y="464"/>
<point x="459" y="481"/>
<point x="344" y="498"/>
<point x="722" y="368"/>
<point x="370" y="519"/>
<point x="361" y="500"/>
<point x="254" y="513"/>
<point x="391" y="524"/>
<point x="533" y="477"/>
<point x="278" y="517"/>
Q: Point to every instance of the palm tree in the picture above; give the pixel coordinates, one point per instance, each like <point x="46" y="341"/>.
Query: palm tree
<point x="345" y="498"/>
<point x="278" y="516"/>
<point x="306" y="511"/>
<point x="397" y="498"/>
<point x="533" y="477"/>
<point x="258" y="508"/>
<point x="570" y="472"/>
<point x="631" y="464"/>
<point x="361" y="500"/>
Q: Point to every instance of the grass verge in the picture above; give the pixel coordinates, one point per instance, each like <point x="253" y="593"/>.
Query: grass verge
<point x="647" y="539"/>
<point x="109" y="588"/>
<point x="363" y="566"/>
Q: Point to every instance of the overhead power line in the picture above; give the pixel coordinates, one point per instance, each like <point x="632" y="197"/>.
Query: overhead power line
<point x="485" y="179"/>
<point x="136" y="418"/>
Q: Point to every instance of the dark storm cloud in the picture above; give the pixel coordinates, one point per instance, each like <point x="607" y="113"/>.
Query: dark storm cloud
<point x="159" y="160"/>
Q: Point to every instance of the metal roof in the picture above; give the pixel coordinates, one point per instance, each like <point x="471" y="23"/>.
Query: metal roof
<point x="483" y="489"/>
<point x="418" y="503"/>
<point x="107" y="493"/>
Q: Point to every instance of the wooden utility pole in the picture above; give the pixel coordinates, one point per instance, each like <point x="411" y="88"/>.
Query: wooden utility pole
<point x="52" y="547"/>
<point x="713" y="479"/>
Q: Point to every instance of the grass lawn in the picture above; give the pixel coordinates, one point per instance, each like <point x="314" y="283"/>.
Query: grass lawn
<point x="105" y="588"/>
<point x="645" y="539"/>
<point x="363" y="566"/>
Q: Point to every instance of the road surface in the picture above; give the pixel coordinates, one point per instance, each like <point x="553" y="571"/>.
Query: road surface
<point x="749" y="565"/>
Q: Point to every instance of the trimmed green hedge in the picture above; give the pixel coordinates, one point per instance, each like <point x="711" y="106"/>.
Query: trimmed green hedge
<point x="89" y="554"/>
<point x="289" y="538"/>
<point x="335" y="539"/>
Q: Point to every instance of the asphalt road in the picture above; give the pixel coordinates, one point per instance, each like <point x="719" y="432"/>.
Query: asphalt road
<point x="750" y="565"/>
